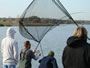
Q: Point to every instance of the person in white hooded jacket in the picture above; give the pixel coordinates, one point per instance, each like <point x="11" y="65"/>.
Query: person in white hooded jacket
<point x="9" y="49"/>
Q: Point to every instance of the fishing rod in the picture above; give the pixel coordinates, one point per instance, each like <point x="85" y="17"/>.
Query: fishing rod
<point x="71" y="14"/>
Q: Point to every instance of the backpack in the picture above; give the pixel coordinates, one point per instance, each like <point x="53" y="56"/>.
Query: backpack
<point x="22" y="61"/>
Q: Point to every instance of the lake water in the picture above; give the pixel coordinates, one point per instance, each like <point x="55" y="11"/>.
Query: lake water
<point x="54" y="40"/>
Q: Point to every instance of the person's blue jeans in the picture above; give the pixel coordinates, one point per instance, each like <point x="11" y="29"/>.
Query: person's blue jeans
<point x="9" y="66"/>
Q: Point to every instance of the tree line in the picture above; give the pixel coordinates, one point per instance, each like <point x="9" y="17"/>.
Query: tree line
<point x="34" y="20"/>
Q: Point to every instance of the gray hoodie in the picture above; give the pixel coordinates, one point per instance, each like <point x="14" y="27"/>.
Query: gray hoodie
<point x="9" y="48"/>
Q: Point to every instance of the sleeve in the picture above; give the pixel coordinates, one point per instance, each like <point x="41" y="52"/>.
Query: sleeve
<point x="15" y="50"/>
<point x="88" y="58"/>
<point x="40" y="60"/>
<point x="64" y="55"/>
<point x="54" y="63"/>
<point x="2" y="47"/>
<point x="35" y="57"/>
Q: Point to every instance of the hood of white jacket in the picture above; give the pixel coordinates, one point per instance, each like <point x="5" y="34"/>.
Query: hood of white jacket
<point x="10" y="32"/>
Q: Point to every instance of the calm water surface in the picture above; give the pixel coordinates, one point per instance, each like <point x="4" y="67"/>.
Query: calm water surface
<point x="54" y="40"/>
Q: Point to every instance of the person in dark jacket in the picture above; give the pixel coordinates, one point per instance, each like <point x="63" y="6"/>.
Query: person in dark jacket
<point x="77" y="52"/>
<point x="48" y="61"/>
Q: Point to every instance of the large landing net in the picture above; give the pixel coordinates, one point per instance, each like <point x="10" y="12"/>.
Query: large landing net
<point x="41" y="16"/>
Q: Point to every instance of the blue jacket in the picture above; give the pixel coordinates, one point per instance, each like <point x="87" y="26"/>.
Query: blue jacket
<point x="48" y="62"/>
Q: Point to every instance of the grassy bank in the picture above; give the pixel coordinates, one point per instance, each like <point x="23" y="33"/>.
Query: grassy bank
<point x="36" y="21"/>
<point x="9" y="24"/>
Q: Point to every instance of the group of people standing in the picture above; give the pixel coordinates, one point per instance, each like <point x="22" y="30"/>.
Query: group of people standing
<point x="9" y="50"/>
<point x="75" y="55"/>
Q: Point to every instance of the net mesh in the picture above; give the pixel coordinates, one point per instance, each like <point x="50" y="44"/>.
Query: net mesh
<point x="40" y="17"/>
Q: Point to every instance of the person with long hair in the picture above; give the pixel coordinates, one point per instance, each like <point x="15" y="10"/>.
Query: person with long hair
<point x="77" y="52"/>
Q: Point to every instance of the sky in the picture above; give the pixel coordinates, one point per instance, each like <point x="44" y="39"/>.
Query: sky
<point x="79" y="9"/>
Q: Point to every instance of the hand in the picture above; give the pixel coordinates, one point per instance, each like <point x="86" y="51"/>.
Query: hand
<point x="39" y="54"/>
<point x="34" y="51"/>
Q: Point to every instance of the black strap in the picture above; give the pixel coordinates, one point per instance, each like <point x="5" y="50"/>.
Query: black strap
<point x="24" y="54"/>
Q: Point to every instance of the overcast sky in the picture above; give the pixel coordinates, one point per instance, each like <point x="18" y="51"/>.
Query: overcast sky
<point x="14" y="8"/>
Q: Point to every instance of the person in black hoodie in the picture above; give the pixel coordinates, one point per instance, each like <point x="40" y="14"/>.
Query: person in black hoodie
<point x="77" y="52"/>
